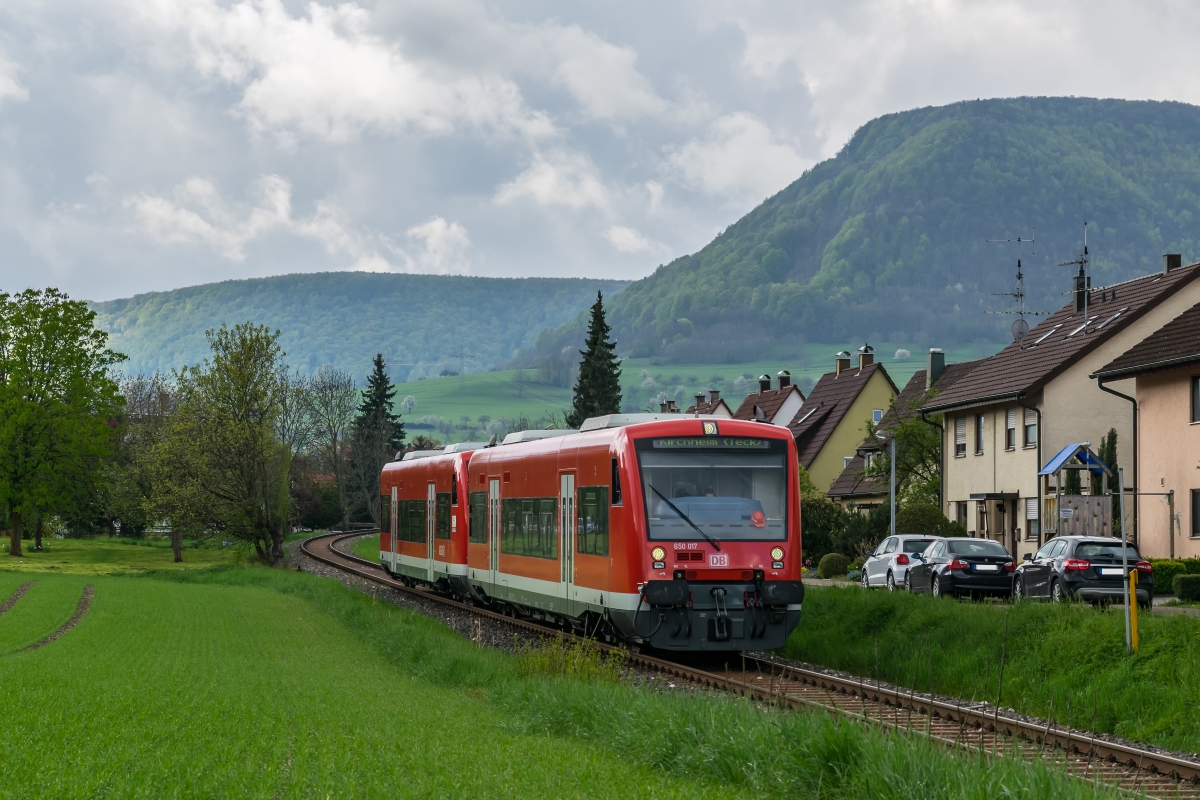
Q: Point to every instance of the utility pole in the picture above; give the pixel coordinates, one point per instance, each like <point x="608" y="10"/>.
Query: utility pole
<point x="1125" y="561"/>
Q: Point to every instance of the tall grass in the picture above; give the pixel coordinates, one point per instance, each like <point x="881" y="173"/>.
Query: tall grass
<point x="1066" y="661"/>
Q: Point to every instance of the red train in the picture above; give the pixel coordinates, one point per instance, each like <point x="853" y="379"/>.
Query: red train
<point x="678" y="532"/>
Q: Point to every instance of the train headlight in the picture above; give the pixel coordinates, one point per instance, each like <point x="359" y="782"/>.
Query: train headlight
<point x="658" y="554"/>
<point x="777" y="554"/>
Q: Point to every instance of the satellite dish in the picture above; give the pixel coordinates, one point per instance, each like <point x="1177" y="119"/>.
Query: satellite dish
<point x="1020" y="329"/>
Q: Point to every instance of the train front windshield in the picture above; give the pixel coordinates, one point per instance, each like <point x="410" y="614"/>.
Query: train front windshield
<point x="731" y="488"/>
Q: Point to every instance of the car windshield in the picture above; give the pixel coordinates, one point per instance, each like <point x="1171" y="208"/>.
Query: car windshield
<point x="732" y="488"/>
<point x="977" y="547"/>
<point x="914" y="546"/>
<point x="1109" y="550"/>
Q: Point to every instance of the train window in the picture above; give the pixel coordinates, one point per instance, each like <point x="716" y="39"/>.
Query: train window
<point x="441" y="517"/>
<point x="591" y="534"/>
<point x="616" y="483"/>
<point x="453" y="490"/>
<point x="732" y="488"/>
<point x="529" y="527"/>
<point x="385" y="513"/>
<point x="477" y="527"/>
<point x="411" y="522"/>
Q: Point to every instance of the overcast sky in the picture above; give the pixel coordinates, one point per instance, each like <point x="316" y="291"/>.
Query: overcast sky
<point x="151" y="144"/>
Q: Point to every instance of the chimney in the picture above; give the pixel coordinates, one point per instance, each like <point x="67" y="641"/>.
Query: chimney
<point x="866" y="356"/>
<point x="1081" y="284"/>
<point x="699" y="400"/>
<point x="1172" y="261"/>
<point x="764" y="383"/>
<point x="841" y="361"/>
<point x="662" y="408"/>
<point x="713" y="395"/>
<point x="672" y="408"/>
<point x="935" y="365"/>
<point x="785" y="379"/>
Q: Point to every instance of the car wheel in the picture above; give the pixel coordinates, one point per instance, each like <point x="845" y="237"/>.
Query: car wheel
<point x="1057" y="594"/>
<point x="1018" y="590"/>
<point x="935" y="588"/>
<point x="891" y="581"/>
<point x="866" y="584"/>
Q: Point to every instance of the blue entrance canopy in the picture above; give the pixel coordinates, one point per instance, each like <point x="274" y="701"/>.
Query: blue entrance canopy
<point x="1079" y="449"/>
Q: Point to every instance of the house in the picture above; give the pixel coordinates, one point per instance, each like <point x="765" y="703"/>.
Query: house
<point x="714" y="406"/>
<point x="777" y="406"/>
<point x="1165" y="368"/>
<point x="831" y="423"/>
<point x="852" y="489"/>
<point x="1014" y="410"/>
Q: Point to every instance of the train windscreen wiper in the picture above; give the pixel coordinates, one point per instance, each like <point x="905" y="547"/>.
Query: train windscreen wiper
<point x="686" y="518"/>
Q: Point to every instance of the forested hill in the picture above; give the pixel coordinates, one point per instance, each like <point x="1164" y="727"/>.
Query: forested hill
<point x="421" y="323"/>
<point x="887" y="239"/>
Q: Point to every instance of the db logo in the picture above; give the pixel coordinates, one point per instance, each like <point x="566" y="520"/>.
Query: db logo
<point x="718" y="560"/>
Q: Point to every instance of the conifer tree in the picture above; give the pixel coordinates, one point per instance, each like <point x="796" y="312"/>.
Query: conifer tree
<point x="598" y="390"/>
<point x="377" y="405"/>
<point x="378" y="435"/>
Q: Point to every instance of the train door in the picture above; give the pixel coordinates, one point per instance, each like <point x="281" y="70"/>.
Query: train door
<point x="494" y="532"/>
<point x="395" y="526"/>
<point x="430" y="516"/>
<point x="566" y="532"/>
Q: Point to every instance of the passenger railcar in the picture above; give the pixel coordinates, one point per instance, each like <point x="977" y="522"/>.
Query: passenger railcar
<point x="678" y="532"/>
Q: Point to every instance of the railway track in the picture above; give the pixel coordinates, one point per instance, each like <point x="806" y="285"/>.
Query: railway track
<point x="974" y="727"/>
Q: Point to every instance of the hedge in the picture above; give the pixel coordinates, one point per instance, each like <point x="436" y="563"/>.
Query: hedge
<point x="833" y="565"/>
<point x="1165" y="571"/>
<point x="1187" y="587"/>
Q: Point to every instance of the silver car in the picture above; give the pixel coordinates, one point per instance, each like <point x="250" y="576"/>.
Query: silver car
<point x="889" y="564"/>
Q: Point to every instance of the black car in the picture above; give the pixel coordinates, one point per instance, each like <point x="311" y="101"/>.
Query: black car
<point x="1086" y="567"/>
<point x="962" y="565"/>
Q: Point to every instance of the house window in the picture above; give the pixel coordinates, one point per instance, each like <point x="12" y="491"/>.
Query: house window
<point x="876" y="415"/>
<point x="979" y="434"/>
<point x="846" y="461"/>
<point x="960" y="513"/>
<point x="1010" y="430"/>
<point x="1030" y="427"/>
<point x="1031" y="518"/>
<point x="1195" y="512"/>
<point x="1196" y="398"/>
<point x="869" y="459"/>
<point x="960" y="437"/>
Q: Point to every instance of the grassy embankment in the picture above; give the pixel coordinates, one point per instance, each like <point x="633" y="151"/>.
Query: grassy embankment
<point x="367" y="548"/>
<point x="497" y="395"/>
<point x="1067" y="662"/>
<point x="249" y="682"/>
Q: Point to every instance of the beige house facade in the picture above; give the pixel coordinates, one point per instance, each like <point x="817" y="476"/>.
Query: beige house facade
<point x="1018" y="408"/>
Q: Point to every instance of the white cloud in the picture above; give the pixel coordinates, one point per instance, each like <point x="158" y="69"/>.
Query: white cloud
<point x="560" y="178"/>
<point x="10" y="86"/>
<point x="737" y="158"/>
<point x="444" y="247"/>
<point x="629" y="240"/>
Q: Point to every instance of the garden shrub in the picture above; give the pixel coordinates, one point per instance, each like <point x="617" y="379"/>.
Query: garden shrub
<point x="1187" y="587"/>
<point x="833" y="565"/>
<point x="1165" y="571"/>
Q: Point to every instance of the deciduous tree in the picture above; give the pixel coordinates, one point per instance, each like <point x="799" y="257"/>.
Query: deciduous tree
<point x="332" y="400"/>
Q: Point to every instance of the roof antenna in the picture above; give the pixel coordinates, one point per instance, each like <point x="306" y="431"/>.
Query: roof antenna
<point x="1083" y="283"/>
<point x="759" y="416"/>
<point x="1020" y="328"/>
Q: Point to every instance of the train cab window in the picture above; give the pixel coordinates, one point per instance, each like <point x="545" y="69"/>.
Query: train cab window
<point x="411" y="522"/>
<point x="441" y="517"/>
<point x="477" y="524"/>
<point x="454" y="490"/>
<point x="385" y="513"/>
<point x="529" y="527"/>
<point x="591" y="534"/>
<point x="616" y="483"/>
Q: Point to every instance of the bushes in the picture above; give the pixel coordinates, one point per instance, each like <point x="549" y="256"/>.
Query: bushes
<point x="926" y="520"/>
<point x="1187" y="587"/>
<point x="1165" y="571"/>
<point x="833" y="565"/>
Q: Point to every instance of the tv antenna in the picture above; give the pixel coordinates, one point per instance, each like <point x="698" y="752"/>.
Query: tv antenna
<point x="1020" y="328"/>
<point x="1083" y="282"/>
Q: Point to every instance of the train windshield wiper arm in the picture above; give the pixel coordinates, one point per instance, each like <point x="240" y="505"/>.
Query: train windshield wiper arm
<point x="687" y="519"/>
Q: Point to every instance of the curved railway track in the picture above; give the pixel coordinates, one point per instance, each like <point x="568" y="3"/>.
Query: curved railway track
<point x="976" y="727"/>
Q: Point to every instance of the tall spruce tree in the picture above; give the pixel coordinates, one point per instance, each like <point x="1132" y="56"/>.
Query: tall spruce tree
<point x="598" y="390"/>
<point x="378" y="433"/>
<point x="1108" y="454"/>
<point x="377" y="405"/>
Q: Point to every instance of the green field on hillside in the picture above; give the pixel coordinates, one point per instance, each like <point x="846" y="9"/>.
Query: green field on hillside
<point x="250" y="682"/>
<point x="1067" y="661"/>
<point x="490" y="400"/>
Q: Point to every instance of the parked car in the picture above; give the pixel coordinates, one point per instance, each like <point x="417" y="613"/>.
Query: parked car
<point x="1085" y="567"/>
<point x="962" y="565"/>
<point x="888" y="565"/>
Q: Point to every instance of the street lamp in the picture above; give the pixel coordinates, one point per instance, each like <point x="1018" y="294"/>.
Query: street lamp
<point x="884" y="436"/>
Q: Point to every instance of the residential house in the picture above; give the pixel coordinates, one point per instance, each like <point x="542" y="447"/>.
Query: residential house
<point x="855" y="490"/>
<point x="777" y="406"/>
<point x="831" y="423"/>
<point x="1019" y="407"/>
<point x="714" y="406"/>
<point x="1165" y="368"/>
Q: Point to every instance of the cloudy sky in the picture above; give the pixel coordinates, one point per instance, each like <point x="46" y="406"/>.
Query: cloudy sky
<point x="150" y="144"/>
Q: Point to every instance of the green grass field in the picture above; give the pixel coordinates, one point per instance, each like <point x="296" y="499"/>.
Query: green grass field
<point x="509" y="394"/>
<point x="250" y="682"/>
<point x="367" y="548"/>
<point x="1067" y="662"/>
<point x="108" y="556"/>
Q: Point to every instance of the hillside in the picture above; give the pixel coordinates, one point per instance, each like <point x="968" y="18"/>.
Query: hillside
<point x="421" y="323"/>
<point x="887" y="239"/>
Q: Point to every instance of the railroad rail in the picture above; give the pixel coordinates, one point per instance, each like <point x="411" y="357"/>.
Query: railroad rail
<point x="976" y="727"/>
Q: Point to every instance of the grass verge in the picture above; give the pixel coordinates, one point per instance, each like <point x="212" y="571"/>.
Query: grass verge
<point x="1066" y="662"/>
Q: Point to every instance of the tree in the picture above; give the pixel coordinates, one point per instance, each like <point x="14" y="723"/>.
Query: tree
<point x="598" y="389"/>
<point x="222" y="464"/>
<point x="918" y="453"/>
<point x="57" y="399"/>
<point x="378" y="435"/>
<point x="128" y="478"/>
<point x="1108" y="454"/>
<point x="1071" y="482"/>
<point x="332" y="399"/>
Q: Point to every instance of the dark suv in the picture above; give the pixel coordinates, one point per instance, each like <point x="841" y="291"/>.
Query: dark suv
<point x="1085" y="567"/>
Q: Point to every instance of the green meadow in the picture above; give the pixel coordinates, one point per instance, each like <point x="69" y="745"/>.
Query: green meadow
<point x="113" y="555"/>
<point x="249" y="682"/>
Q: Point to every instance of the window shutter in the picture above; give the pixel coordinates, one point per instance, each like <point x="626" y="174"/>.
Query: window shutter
<point x="1031" y="508"/>
<point x="1030" y="417"/>
<point x="1012" y="418"/>
<point x="960" y="430"/>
